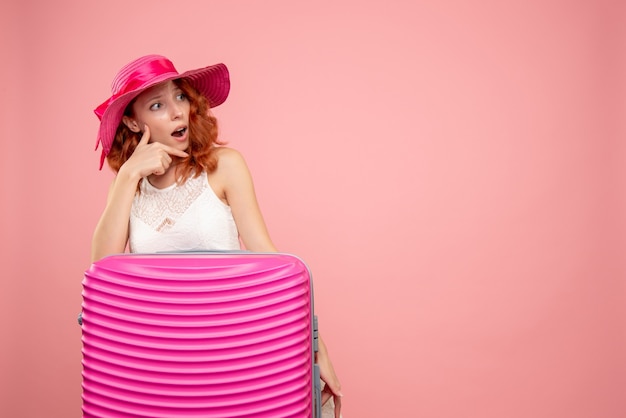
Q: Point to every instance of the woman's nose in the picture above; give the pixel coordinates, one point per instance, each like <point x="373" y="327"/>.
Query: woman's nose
<point x="176" y="110"/>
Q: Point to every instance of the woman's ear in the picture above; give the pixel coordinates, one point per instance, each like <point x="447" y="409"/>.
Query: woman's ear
<point x="131" y="123"/>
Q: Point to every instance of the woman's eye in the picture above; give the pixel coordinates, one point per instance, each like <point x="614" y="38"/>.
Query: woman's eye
<point x="155" y="106"/>
<point x="181" y="97"/>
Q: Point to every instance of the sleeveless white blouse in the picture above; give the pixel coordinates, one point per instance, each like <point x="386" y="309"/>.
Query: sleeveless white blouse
<point x="185" y="217"/>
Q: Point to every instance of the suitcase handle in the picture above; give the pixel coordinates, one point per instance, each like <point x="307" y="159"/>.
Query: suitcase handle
<point x="317" y="384"/>
<point x="318" y="391"/>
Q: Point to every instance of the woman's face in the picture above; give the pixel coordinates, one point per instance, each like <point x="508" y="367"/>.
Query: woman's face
<point x="165" y="109"/>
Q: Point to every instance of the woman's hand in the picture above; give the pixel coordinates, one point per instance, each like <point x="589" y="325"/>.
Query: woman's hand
<point x="151" y="158"/>
<point x="327" y="373"/>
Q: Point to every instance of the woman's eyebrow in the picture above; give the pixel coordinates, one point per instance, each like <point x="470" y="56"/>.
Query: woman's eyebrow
<point x="151" y="98"/>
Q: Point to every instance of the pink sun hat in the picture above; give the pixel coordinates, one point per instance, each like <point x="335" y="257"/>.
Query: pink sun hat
<point x="135" y="77"/>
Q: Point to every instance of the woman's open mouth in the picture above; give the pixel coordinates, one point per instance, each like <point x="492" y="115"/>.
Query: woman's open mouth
<point x="179" y="133"/>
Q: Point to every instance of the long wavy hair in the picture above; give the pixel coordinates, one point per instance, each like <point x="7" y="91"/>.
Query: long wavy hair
<point x="202" y="137"/>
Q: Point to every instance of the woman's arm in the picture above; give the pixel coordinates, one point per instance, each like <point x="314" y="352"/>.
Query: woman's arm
<point x="235" y="183"/>
<point x="111" y="233"/>
<point x="327" y="373"/>
<point x="233" y="178"/>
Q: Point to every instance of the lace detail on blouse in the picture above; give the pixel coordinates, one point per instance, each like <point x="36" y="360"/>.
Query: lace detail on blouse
<point x="161" y="208"/>
<point x="182" y="217"/>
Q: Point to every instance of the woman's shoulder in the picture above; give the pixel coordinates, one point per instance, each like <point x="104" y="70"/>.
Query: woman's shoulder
<point x="230" y="166"/>
<point x="230" y="174"/>
<point x="229" y="159"/>
<point x="227" y="152"/>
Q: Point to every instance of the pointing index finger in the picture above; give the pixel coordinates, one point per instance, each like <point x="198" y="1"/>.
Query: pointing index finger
<point x="174" y="151"/>
<point x="146" y="135"/>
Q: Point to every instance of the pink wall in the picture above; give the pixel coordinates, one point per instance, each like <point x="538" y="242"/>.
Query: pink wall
<point x="453" y="174"/>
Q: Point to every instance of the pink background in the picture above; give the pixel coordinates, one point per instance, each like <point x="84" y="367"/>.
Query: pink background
<point x="452" y="171"/>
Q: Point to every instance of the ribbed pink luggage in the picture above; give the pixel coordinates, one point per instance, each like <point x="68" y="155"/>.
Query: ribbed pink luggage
<point x="178" y="335"/>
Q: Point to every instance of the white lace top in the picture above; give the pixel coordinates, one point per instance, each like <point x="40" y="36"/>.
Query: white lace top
<point x="181" y="218"/>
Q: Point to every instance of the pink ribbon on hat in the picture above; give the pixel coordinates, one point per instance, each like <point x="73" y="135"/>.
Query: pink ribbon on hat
<point x="136" y="79"/>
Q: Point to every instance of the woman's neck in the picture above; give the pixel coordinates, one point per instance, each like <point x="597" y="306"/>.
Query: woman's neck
<point x="164" y="180"/>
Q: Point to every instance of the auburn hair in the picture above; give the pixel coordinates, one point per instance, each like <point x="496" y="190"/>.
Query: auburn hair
<point x="202" y="137"/>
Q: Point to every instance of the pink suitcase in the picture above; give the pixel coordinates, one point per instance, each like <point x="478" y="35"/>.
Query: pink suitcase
<point x="177" y="335"/>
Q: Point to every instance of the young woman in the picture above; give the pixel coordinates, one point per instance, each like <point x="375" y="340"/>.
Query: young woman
<point x="176" y="187"/>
